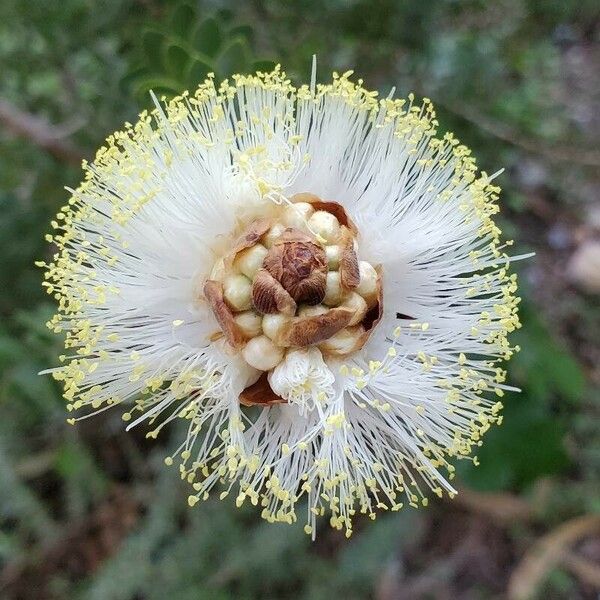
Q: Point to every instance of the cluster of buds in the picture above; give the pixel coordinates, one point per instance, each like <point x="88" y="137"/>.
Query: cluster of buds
<point x="292" y="281"/>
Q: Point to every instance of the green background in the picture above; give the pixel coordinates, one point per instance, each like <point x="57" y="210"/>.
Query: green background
<point x="91" y="512"/>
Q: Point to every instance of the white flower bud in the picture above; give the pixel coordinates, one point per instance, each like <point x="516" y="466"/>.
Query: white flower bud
<point x="333" y="289"/>
<point x="303" y="378"/>
<point x="261" y="353"/>
<point x="296" y="215"/>
<point x="324" y="224"/>
<point x="333" y="257"/>
<point x="249" y="322"/>
<point x="218" y="270"/>
<point x="250" y="260"/>
<point x="272" y="325"/>
<point x="237" y="291"/>
<point x="344" y="341"/>
<point x="306" y="310"/>
<point x="367" y="287"/>
<point x="358" y="304"/>
<point x="269" y="238"/>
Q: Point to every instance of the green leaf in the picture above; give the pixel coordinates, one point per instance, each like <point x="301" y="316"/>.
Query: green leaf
<point x="528" y="445"/>
<point x="197" y="72"/>
<point x="161" y="86"/>
<point x="242" y="31"/>
<point x="207" y="38"/>
<point x="544" y="367"/>
<point x="21" y="242"/>
<point x="84" y="479"/>
<point x="34" y="389"/>
<point x="34" y="320"/>
<point x="153" y="43"/>
<point x="10" y="350"/>
<point x="266" y="66"/>
<point x="130" y="79"/>
<point x="233" y="59"/>
<point x="363" y="558"/>
<point x="177" y="60"/>
<point x="182" y="20"/>
<point x="226" y="15"/>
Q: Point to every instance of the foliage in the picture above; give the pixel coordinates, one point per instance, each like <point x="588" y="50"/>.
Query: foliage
<point x="178" y="53"/>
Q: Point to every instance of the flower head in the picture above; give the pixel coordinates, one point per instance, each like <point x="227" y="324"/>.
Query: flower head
<point x="309" y="277"/>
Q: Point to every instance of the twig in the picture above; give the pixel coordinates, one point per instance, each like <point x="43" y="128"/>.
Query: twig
<point x="40" y="132"/>
<point x="586" y="570"/>
<point x="583" y="568"/>
<point x="550" y="151"/>
<point x="500" y="507"/>
<point x="547" y="552"/>
<point x="36" y="465"/>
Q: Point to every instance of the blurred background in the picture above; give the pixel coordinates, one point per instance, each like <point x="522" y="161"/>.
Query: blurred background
<point x="89" y="512"/>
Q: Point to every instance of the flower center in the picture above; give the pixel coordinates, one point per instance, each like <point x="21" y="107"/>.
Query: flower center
<point x="293" y="281"/>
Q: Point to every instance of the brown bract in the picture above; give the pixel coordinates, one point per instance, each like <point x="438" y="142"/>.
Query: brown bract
<point x="337" y="210"/>
<point x="349" y="271"/>
<point x="260" y="394"/>
<point x="374" y="314"/>
<point x="269" y="296"/>
<point x="213" y="292"/>
<point x="306" y="331"/>
<point x="368" y="324"/>
<point x="250" y="236"/>
<point x="299" y="265"/>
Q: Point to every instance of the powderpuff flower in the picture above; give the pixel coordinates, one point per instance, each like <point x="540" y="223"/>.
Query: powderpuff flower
<point x="309" y="277"/>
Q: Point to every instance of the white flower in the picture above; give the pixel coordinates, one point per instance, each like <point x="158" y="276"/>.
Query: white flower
<point x="373" y="392"/>
<point x="303" y="378"/>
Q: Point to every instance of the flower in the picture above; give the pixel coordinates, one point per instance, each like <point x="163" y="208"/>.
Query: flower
<point x="309" y="277"/>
